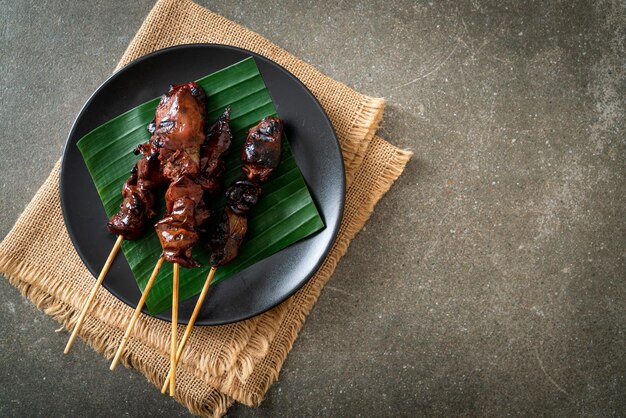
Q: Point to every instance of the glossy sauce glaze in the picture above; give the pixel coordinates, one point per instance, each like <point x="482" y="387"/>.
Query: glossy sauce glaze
<point x="191" y="158"/>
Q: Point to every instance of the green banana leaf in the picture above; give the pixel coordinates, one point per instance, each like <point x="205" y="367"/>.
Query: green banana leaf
<point x="284" y="215"/>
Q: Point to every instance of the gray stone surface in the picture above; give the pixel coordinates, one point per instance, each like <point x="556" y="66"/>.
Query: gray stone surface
<point x="491" y="278"/>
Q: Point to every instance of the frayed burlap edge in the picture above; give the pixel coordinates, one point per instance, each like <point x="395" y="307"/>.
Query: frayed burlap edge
<point x="209" y="403"/>
<point x="299" y="306"/>
<point x="361" y="133"/>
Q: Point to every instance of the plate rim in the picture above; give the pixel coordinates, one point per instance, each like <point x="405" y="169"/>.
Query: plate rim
<point x="119" y="73"/>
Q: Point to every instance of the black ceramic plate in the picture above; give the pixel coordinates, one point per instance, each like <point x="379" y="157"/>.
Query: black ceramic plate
<point x="315" y="148"/>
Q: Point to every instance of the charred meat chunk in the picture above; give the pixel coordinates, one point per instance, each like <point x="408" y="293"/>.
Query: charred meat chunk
<point x="179" y="128"/>
<point x="138" y="201"/>
<point x="178" y="231"/>
<point x="262" y="150"/>
<point x="212" y="153"/>
<point x="228" y="237"/>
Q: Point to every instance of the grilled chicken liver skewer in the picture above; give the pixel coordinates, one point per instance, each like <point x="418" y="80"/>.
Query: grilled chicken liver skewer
<point x="129" y="222"/>
<point x="192" y="164"/>
<point x="261" y="155"/>
<point x="179" y="131"/>
<point x="176" y="137"/>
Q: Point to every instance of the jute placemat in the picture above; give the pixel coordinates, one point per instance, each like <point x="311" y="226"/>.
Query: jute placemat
<point x="225" y="363"/>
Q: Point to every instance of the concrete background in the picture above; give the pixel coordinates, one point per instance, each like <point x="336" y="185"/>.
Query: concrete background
<point x="491" y="278"/>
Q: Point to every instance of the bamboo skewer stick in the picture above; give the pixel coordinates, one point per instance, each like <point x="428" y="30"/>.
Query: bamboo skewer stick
<point x="174" y="326"/>
<point x="92" y="295"/>
<point x="135" y="316"/>
<point x="192" y="321"/>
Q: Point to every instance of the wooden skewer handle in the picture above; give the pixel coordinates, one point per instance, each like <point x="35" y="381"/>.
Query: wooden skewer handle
<point x="174" y="327"/>
<point x="192" y="321"/>
<point x="133" y="320"/>
<point x="94" y="290"/>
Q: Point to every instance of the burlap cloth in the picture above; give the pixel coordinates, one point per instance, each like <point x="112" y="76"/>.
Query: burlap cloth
<point x="224" y="363"/>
